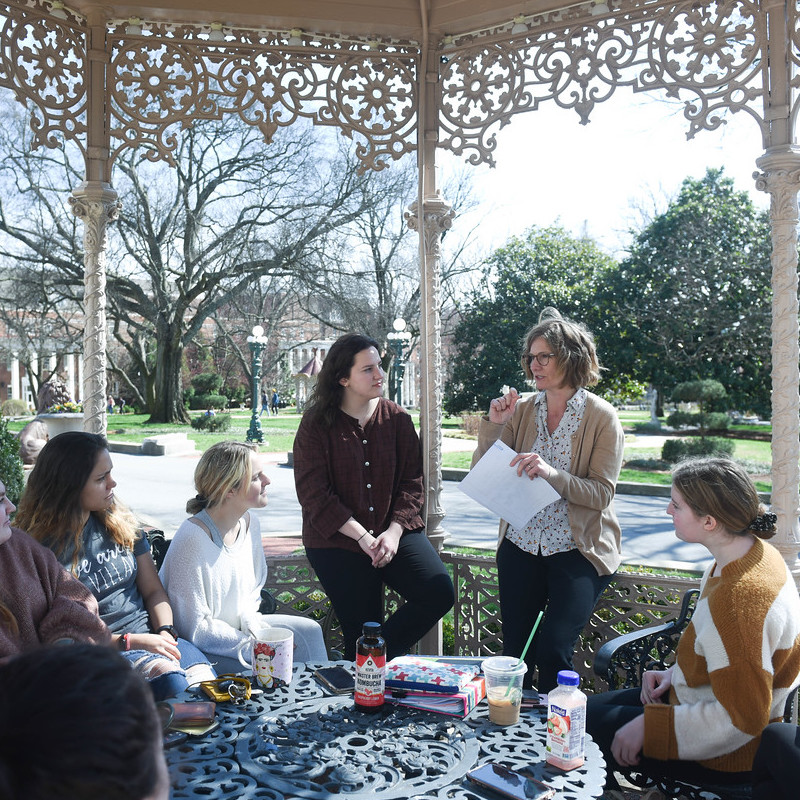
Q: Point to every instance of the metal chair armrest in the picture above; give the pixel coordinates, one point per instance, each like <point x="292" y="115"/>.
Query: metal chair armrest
<point x="632" y="653"/>
<point x="627" y="652"/>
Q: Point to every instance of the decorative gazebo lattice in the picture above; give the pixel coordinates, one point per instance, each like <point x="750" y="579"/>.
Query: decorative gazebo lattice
<point x="633" y="601"/>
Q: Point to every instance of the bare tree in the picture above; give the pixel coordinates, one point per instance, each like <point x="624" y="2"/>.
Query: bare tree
<point x="366" y="274"/>
<point x="188" y="239"/>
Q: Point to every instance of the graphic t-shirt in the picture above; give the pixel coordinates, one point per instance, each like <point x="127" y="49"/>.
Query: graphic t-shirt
<point x="109" y="572"/>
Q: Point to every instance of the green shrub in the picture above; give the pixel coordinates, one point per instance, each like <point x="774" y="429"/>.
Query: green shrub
<point x="709" y="421"/>
<point x="716" y="421"/>
<point x="207" y="383"/>
<point x="677" y="419"/>
<point x="10" y="463"/>
<point x="237" y="395"/>
<point x="200" y="401"/>
<point x="213" y="423"/>
<point x="15" y="408"/>
<point x="675" y="450"/>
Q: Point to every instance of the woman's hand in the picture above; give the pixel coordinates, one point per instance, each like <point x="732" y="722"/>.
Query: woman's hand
<point x="655" y="684"/>
<point x="532" y="465"/>
<point x="160" y="643"/>
<point x="502" y="408"/>
<point x="383" y="548"/>
<point x="628" y="742"/>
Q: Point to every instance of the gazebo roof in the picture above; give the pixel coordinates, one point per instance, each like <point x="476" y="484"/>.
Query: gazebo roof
<point x="402" y="19"/>
<point x="311" y="370"/>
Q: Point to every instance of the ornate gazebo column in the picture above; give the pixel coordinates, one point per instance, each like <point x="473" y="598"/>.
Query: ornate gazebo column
<point x="437" y="217"/>
<point x="780" y="176"/>
<point x="95" y="203"/>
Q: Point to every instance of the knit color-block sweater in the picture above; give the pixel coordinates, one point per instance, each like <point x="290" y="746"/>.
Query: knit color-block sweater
<point x="736" y="663"/>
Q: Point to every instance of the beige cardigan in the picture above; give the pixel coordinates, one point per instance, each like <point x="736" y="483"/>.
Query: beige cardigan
<point x="597" y="448"/>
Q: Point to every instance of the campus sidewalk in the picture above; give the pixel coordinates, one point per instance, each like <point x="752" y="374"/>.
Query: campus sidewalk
<point x="157" y="487"/>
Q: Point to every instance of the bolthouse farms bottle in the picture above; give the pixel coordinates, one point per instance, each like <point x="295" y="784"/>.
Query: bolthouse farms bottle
<point x="370" y="668"/>
<point x="566" y="722"/>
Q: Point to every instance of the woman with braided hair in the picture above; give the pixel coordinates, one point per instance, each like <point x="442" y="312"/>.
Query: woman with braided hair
<point x="700" y="721"/>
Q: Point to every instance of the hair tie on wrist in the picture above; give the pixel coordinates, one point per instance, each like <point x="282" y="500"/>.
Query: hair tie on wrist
<point x="764" y="522"/>
<point x="362" y="536"/>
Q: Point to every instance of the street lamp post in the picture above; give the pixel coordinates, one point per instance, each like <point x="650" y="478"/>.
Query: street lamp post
<point x="257" y="342"/>
<point x="398" y="339"/>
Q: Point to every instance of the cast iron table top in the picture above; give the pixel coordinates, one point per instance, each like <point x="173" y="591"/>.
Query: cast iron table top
<point x="298" y="742"/>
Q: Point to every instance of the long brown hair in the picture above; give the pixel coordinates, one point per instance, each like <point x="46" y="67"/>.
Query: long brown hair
<point x="326" y="399"/>
<point x="50" y="508"/>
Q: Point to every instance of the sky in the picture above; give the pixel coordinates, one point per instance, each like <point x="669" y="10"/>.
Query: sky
<point x="592" y="178"/>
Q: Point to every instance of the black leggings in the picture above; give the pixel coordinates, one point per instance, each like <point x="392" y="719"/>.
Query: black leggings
<point x="355" y="589"/>
<point x="606" y="713"/>
<point x="776" y="768"/>
<point x="565" y="586"/>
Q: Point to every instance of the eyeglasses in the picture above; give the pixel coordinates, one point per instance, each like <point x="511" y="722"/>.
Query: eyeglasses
<point x="542" y="358"/>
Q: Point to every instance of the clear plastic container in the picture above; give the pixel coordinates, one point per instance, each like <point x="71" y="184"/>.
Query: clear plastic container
<point x="566" y="722"/>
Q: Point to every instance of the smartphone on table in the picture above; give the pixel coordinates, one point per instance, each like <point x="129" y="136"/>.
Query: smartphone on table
<point x="509" y="783"/>
<point x="335" y="679"/>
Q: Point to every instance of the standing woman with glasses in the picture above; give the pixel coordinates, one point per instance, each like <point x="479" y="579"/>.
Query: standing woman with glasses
<point x="358" y="473"/>
<point x="568" y="551"/>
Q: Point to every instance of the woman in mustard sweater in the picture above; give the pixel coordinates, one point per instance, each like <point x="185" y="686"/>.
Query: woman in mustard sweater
<point x="701" y="720"/>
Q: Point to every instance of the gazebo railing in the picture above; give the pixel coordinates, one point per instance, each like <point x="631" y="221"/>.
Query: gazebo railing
<point x="634" y="600"/>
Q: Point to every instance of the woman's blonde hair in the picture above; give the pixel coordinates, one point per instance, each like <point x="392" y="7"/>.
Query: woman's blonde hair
<point x="722" y="489"/>
<point x="224" y="467"/>
<point x="50" y="508"/>
<point x="571" y="343"/>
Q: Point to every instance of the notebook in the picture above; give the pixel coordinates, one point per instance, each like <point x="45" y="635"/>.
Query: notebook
<point x="459" y="704"/>
<point x="417" y="673"/>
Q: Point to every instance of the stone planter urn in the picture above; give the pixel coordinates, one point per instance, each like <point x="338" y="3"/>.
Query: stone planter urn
<point x="61" y="423"/>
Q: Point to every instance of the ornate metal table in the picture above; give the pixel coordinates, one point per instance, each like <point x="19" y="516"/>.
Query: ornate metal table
<point x="298" y="742"/>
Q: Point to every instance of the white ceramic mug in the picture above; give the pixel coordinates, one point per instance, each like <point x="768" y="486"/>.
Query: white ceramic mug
<point x="270" y="651"/>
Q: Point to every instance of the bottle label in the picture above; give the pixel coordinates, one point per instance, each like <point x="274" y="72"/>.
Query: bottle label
<point x="565" y="732"/>
<point x="370" y="680"/>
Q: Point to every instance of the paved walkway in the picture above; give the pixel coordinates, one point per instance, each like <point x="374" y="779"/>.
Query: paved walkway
<point x="158" y="487"/>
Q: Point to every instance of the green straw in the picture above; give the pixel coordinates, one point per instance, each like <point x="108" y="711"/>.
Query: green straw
<point x="527" y="645"/>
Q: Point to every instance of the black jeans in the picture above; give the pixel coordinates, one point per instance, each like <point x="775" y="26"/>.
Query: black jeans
<point x="565" y="586"/>
<point x="776" y="768"/>
<point x="355" y="589"/>
<point x="606" y="713"/>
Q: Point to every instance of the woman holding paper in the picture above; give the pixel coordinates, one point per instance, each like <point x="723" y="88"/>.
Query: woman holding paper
<point x="358" y="474"/>
<point x="568" y="551"/>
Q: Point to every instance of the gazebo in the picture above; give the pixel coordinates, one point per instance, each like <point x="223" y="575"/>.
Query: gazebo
<point x="305" y="379"/>
<point x="403" y="76"/>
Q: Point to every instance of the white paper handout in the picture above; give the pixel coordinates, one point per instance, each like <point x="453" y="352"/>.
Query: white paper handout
<point x="496" y="486"/>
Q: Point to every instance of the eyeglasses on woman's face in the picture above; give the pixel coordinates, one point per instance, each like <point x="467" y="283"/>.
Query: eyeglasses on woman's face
<point x="542" y="358"/>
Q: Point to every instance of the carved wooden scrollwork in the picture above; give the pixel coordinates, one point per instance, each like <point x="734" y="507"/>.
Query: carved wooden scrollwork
<point x="164" y="81"/>
<point x="709" y="55"/>
<point x="42" y="61"/>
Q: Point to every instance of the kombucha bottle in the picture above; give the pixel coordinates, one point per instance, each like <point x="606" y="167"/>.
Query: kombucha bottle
<point x="370" y="668"/>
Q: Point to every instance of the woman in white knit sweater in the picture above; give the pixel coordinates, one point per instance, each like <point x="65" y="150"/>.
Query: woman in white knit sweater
<point x="215" y="566"/>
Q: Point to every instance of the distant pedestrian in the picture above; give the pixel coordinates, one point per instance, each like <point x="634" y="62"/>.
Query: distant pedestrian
<point x="110" y="405"/>
<point x="121" y="405"/>
<point x="275" y="402"/>
<point x="264" y="404"/>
